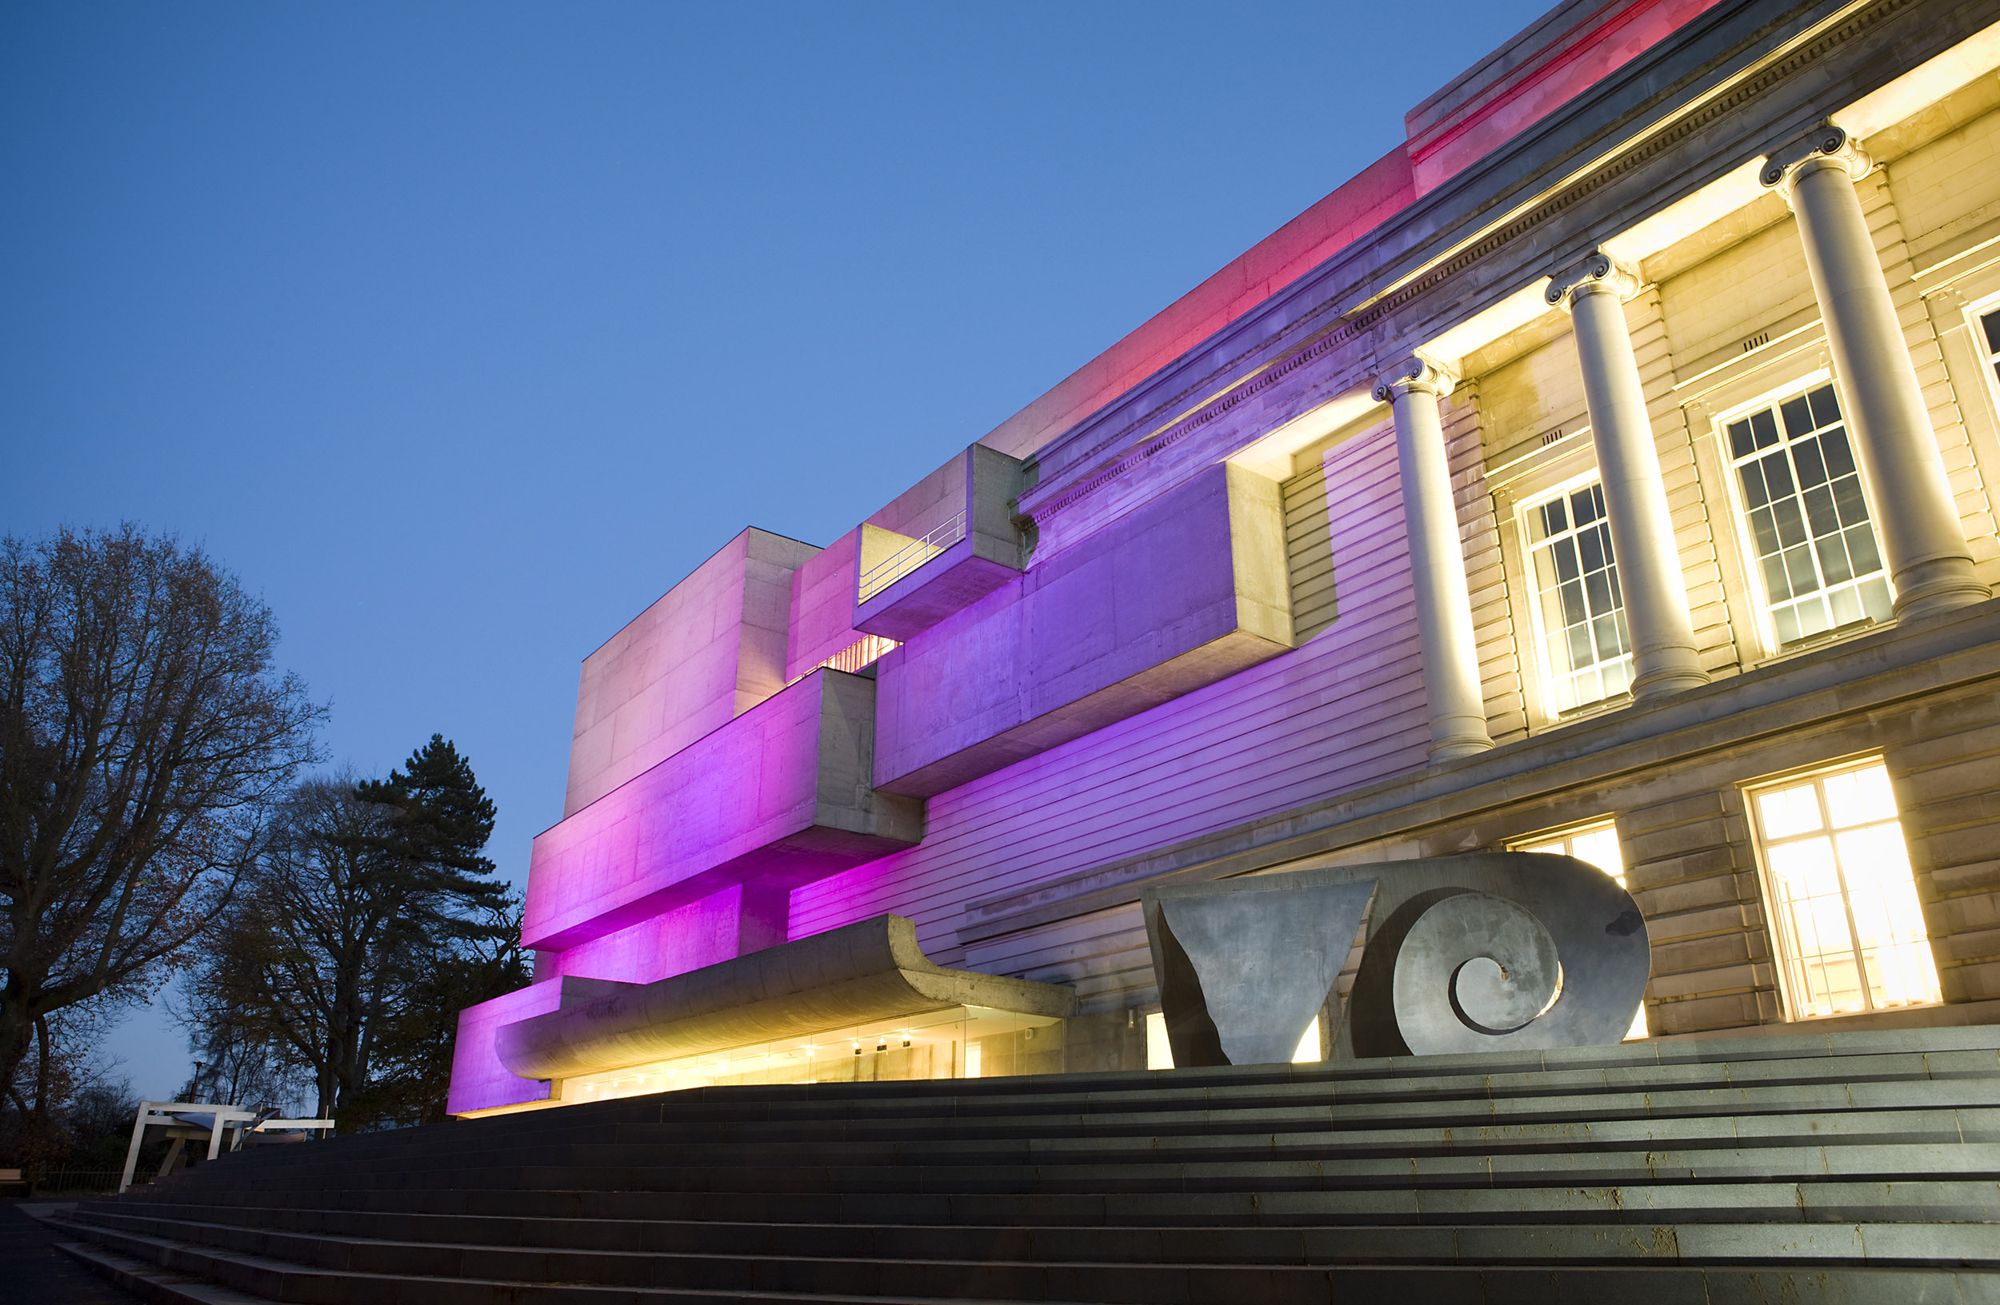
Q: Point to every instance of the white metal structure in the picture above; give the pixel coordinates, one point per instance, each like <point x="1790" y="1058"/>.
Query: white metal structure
<point x="190" y="1120"/>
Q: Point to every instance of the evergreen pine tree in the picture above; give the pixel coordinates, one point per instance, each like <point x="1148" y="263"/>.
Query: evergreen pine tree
<point x="442" y="820"/>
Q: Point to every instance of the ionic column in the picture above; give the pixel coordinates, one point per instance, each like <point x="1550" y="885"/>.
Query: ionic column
<point x="1437" y="562"/>
<point x="1922" y="539"/>
<point x="1628" y="463"/>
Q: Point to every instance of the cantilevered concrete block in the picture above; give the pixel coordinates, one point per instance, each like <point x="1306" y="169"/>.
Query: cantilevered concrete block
<point x="711" y="648"/>
<point x="823" y="606"/>
<point x="478" y="1080"/>
<point x="727" y="923"/>
<point x="778" y="796"/>
<point x="1464" y="953"/>
<point x="1185" y="591"/>
<point x="906" y="584"/>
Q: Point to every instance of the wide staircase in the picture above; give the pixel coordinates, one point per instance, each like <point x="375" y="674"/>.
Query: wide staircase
<point x="1858" y="1168"/>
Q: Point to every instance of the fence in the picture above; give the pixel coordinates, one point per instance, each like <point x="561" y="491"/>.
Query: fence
<point x="911" y="556"/>
<point x="76" y="1182"/>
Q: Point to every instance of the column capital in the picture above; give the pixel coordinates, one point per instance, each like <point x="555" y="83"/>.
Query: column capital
<point x="1825" y="146"/>
<point x="1597" y="273"/>
<point x="1417" y="375"/>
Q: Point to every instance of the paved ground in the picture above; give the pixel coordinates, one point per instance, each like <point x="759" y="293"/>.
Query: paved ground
<point x="33" y="1270"/>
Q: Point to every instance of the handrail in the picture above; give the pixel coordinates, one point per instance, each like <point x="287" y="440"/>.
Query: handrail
<point x="910" y="556"/>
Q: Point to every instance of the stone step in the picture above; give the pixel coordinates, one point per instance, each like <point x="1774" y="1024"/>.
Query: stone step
<point x="1924" y="1200"/>
<point x="1767" y="1205"/>
<point x="1981" y="1124"/>
<point x="1880" y="1161"/>
<point x="1807" y="1167"/>
<point x="1493" y="1084"/>
<point x="1315" y="1109"/>
<point x="902" y="1273"/>
<point x="1822" y="1101"/>
<point x="1882" y="1056"/>
<point x="260" y="1278"/>
<point x="1329" y="1253"/>
<point x="1219" y="1129"/>
<point x="150" y="1282"/>
<point x="1523" y="1067"/>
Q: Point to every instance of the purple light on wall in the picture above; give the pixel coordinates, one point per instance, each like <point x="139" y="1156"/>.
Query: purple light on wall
<point x="1342" y="710"/>
<point x="478" y="1080"/>
<point x="672" y="942"/>
<point x="735" y="806"/>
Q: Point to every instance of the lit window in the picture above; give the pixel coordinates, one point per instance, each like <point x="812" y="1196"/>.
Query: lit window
<point x="1593" y="844"/>
<point x="1989" y="338"/>
<point x="1817" y="562"/>
<point x="1160" y="1053"/>
<point x="1586" y="652"/>
<point x="1844" y="912"/>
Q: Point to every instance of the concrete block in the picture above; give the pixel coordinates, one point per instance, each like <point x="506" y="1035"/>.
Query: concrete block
<point x="683" y="667"/>
<point x="1184" y="591"/>
<point x="777" y="797"/>
<point x="904" y="585"/>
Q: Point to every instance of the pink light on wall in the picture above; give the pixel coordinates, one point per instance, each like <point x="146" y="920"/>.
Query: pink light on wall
<point x="1356" y="207"/>
<point x="822" y="606"/>
<point x="478" y="1080"/>
<point x="1531" y="77"/>
<point x="673" y="942"/>
<point x="776" y="797"/>
<point x="1343" y="710"/>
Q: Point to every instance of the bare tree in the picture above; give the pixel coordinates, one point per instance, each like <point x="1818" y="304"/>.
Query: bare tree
<point x="298" y="962"/>
<point x="46" y="1083"/>
<point x="144" y="733"/>
<point x="369" y="918"/>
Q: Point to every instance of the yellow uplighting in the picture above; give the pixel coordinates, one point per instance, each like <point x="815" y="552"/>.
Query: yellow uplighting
<point x="959" y="1042"/>
<point x="1160" y="1055"/>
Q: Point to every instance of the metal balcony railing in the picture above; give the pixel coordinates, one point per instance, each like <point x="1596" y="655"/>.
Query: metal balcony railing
<point x="909" y="557"/>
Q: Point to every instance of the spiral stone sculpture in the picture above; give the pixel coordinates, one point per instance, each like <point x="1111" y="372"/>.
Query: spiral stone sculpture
<point x="1466" y="953"/>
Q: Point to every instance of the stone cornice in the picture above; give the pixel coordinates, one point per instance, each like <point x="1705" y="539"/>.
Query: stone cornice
<point x="1698" y="104"/>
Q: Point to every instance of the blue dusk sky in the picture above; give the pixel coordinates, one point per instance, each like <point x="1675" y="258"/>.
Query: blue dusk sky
<point x="461" y="331"/>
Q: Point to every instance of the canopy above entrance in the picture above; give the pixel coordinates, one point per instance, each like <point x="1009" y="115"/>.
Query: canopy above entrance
<point x="862" y="973"/>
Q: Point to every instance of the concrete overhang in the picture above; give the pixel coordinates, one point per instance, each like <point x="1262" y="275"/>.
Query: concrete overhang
<point x="906" y="585"/>
<point x="1183" y="591"/>
<point x="866" y="972"/>
<point x="780" y="795"/>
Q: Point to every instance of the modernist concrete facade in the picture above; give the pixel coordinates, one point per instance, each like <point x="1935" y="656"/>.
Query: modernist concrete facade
<point x="1616" y="460"/>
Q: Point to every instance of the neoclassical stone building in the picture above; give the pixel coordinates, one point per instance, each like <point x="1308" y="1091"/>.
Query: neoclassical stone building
<point x="1610" y="467"/>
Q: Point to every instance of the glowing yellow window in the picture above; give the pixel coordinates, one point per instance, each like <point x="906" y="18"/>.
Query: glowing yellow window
<point x="1844" y="912"/>
<point x="1594" y="844"/>
<point x="1160" y="1054"/>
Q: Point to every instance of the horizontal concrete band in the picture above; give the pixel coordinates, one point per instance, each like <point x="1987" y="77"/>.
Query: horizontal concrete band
<point x="863" y="973"/>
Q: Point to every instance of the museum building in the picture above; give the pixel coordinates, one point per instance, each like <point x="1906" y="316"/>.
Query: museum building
<point x="1612" y="468"/>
